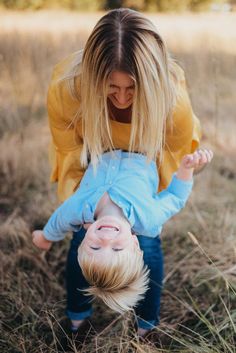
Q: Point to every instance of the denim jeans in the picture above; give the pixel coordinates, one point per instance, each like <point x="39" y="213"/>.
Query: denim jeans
<point x="148" y="309"/>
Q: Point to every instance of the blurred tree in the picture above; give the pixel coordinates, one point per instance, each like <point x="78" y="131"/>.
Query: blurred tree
<point x="113" y="4"/>
<point x="95" y="5"/>
<point x="135" y="4"/>
<point x="200" y="5"/>
<point x="23" y="4"/>
<point x="173" y="5"/>
<point x="83" y="5"/>
<point x="151" y="5"/>
<point x="91" y="5"/>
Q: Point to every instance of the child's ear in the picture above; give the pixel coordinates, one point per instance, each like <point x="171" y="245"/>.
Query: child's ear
<point x="136" y="241"/>
<point x="86" y="225"/>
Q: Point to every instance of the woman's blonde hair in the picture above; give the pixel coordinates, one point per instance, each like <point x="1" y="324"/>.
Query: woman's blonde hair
<point x="119" y="281"/>
<point x="124" y="40"/>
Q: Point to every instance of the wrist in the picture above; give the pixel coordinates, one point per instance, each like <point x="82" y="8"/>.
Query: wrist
<point x="185" y="174"/>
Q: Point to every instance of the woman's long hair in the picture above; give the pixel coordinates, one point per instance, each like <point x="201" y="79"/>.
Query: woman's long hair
<point x="124" y="40"/>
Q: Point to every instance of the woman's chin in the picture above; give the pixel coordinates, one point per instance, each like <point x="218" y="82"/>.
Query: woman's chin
<point x="120" y="106"/>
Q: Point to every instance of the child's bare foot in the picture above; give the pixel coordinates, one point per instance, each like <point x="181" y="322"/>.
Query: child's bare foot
<point x="142" y="332"/>
<point x="75" y="324"/>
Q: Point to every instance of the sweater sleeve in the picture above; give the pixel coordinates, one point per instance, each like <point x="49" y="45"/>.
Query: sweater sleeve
<point x="64" y="150"/>
<point x="183" y="133"/>
<point x="184" y="127"/>
<point x="171" y="200"/>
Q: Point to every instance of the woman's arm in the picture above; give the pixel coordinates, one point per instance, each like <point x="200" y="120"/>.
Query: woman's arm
<point x="183" y="133"/>
<point x="65" y="150"/>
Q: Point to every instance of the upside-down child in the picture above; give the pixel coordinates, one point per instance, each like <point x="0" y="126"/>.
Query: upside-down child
<point x="116" y="204"/>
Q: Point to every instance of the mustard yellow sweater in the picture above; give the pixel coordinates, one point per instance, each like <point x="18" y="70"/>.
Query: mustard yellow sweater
<point x="183" y="137"/>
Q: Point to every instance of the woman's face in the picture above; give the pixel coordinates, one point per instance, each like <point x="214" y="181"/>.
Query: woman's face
<point x="121" y="89"/>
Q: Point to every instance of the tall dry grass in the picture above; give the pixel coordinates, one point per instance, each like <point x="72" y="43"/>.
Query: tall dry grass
<point x="198" y="306"/>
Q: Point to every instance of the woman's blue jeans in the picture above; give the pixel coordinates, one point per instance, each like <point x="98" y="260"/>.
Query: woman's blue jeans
<point x="148" y="310"/>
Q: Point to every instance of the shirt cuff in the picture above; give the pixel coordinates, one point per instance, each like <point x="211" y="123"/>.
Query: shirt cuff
<point x="180" y="188"/>
<point x="52" y="236"/>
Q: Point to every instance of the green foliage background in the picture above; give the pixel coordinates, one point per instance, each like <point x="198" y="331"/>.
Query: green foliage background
<point x="96" y="5"/>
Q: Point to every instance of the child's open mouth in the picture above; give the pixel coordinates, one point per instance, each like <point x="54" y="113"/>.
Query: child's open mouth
<point x="109" y="228"/>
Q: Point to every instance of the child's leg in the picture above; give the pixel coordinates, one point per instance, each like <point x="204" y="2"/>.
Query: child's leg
<point x="148" y="310"/>
<point x="78" y="305"/>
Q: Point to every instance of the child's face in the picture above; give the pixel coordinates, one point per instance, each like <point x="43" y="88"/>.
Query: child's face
<point x="107" y="236"/>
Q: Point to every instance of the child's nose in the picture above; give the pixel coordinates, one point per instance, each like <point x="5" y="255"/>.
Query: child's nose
<point x="107" y="237"/>
<point x="105" y="241"/>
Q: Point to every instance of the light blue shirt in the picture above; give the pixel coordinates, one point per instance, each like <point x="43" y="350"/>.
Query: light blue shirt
<point x="131" y="183"/>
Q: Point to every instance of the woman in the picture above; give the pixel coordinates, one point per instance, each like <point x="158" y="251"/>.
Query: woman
<point x="123" y="91"/>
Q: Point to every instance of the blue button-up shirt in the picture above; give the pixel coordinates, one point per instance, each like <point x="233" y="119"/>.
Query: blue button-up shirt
<point x="131" y="183"/>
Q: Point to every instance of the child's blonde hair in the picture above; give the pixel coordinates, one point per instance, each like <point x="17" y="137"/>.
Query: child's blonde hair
<point x="119" y="281"/>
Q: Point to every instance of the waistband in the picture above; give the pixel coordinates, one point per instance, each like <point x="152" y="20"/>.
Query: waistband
<point x="123" y="154"/>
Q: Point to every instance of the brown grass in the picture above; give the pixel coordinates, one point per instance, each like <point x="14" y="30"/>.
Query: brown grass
<point x="198" y="311"/>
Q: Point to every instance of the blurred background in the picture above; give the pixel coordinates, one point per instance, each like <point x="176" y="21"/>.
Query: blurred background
<point x="140" y="5"/>
<point x="199" y="301"/>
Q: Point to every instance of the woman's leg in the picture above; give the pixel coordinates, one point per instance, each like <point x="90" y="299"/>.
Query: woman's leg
<point x="78" y="305"/>
<point x="148" y="309"/>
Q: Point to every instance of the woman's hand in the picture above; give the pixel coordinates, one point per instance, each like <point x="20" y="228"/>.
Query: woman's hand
<point x="40" y="241"/>
<point x="192" y="161"/>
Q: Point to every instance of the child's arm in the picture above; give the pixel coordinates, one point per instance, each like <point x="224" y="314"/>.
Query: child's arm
<point x="67" y="217"/>
<point x="171" y="200"/>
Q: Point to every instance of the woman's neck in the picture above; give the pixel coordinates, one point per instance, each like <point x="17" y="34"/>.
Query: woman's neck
<point x="120" y="115"/>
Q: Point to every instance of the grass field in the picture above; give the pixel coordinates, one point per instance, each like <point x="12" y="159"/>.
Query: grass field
<point x="199" y="301"/>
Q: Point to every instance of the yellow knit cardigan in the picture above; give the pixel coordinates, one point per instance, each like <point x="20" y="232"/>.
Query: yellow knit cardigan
<point x="183" y="137"/>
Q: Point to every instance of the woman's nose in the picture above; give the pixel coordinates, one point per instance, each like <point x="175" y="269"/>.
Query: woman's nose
<point x="122" y="97"/>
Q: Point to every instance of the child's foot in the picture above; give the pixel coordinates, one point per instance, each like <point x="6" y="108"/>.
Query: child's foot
<point x="75" y="324"/>
<point x="82" y="331"/>
<point x="74" y="333"/>
<point x="155" y="338"/>
<point x="142" y="332"/>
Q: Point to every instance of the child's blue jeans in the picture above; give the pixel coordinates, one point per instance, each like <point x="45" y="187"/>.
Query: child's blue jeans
<point x="79" y="305"/>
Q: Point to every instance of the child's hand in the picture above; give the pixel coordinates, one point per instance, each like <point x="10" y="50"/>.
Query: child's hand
<point x="197" y="159"/>
<point x="192" y="161"/>
<point x="40" y="241"/>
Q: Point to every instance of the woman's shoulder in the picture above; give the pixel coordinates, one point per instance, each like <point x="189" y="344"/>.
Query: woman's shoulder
<point x="68" y="66"/>
<point x="177" y="72"/>
<point x="65" y="79"/>
<point x="63" y="98"/>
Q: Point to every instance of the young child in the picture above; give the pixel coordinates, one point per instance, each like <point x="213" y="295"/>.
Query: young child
<point x="115" y="205"/>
